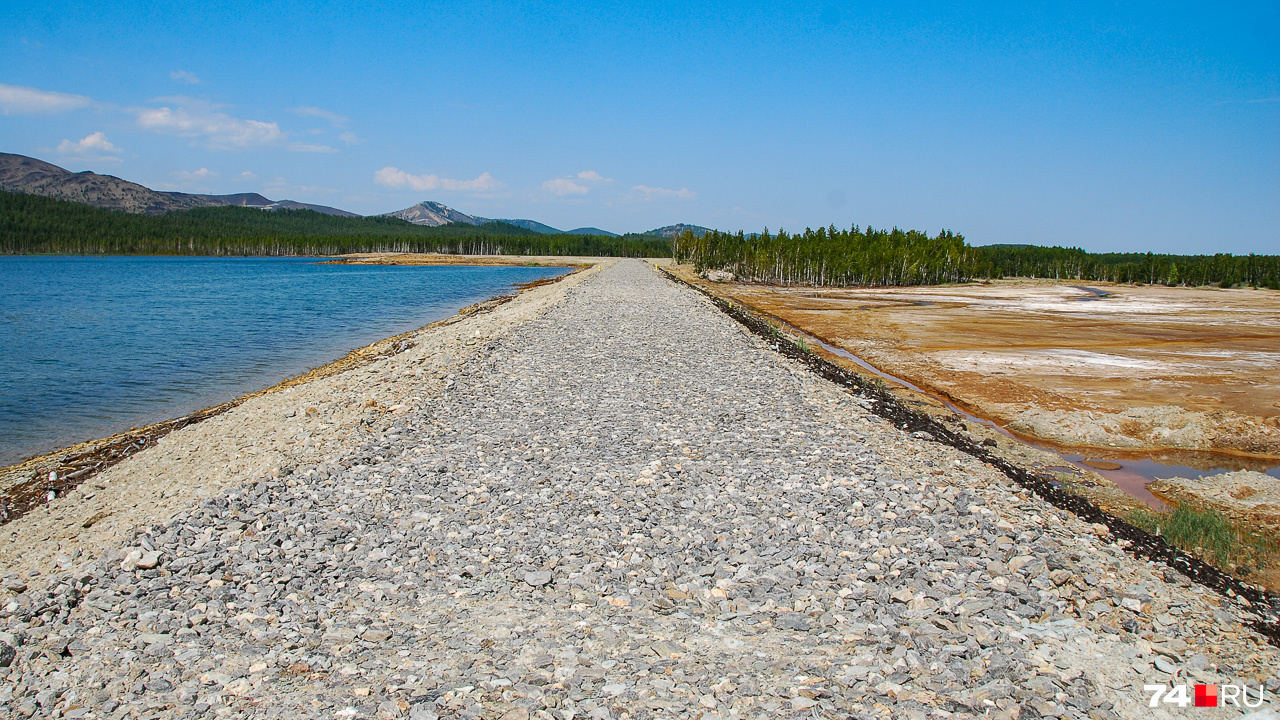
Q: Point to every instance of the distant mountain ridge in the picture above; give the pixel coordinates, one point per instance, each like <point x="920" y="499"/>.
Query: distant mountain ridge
<point x="434" y="214"/>
<point x="533" y="225"/>
<point x="22" y="174"/>
<point x="591" y="231"/>
<point x="671" y="231"/>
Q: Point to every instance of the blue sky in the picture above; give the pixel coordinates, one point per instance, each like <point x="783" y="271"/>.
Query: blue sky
<point x="1110" y="126"/>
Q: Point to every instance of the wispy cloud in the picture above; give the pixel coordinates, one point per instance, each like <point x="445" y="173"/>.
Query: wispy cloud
<point x="350" y="138"/>
<point x="246" y="176"/>
<point x="593" y="176"/>
<point x="564" y="186"/>
<point x="311" y="148"/>
<point x="196" y="180"/>
<point x="95" y="147"/>
<point x="394" y="177"/>
<point x="280" y="186"/>
<point x="197" y="119"/>
<point x="645" y="193"/>
<point x="331" y="117"/>
<point x="1264" y="101"/>
<point x="17" y="100"/>
<point x="183" y="76"/>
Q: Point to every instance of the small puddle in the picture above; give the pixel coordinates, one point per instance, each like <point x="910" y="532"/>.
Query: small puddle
<point x="1094" y="293"/>
<point x="1129" y="471"/>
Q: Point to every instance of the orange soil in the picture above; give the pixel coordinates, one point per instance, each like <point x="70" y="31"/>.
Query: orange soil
<point x="1148" y="367"/>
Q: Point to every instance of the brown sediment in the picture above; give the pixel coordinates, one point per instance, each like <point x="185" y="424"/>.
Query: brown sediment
<point x="29" y="484"/>
<point x="1146" y="368"/>
<point x="911" y="412"/>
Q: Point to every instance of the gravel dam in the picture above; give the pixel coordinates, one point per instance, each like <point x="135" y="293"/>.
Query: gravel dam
<point x="604" y="499"/>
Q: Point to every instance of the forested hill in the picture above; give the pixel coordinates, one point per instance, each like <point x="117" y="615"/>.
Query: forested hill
<point x="870" y="257"/>
<point x="33" y="224"/>
<point x="826" y="256"/>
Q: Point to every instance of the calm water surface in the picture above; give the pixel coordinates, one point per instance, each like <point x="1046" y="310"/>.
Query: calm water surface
<point x="90" y="346"/>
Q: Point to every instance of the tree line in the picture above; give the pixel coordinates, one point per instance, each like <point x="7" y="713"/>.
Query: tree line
<point x="872" y="257"/>
<point x="823" y="257"/>
<point x="30" y="224"/>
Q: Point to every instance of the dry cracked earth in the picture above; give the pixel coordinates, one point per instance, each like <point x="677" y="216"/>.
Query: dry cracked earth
<point x="627" y="507"/>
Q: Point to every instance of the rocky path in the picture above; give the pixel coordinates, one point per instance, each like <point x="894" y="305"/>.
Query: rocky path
<point x="625" y="508"/>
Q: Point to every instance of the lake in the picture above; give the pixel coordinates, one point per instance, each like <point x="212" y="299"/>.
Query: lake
<point x="91" y="346"/>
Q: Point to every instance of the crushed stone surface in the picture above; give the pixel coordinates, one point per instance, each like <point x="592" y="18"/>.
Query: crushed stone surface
<point x="621" y="506"/>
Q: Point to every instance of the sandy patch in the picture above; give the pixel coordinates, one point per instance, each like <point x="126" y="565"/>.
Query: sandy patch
<point x="442" y="259"/>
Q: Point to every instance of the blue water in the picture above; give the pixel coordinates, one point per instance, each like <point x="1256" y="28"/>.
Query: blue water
<point x="91" y="346"/>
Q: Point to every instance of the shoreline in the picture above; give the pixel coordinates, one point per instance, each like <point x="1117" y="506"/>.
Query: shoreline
<point x="1188" y="456"/>
<point x="443" y="259"/>
<point x="1087" y="492"/>
<point x="318" y="423"/>
<point x="26" y="485"/>
<point x="905" y="409"/>
<point x="674" y="500"/>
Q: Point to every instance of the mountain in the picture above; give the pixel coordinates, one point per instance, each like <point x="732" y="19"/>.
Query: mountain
<point x="294" y="205"/>
<point x="533" y="225"/>
<point x="22" y="174"/>
<point x="239" y="199"/>
<point x="673" y="230"/>
<point x="591" y="231"/>
<point x="434" y="214"/>
<point x="254" y="200"/>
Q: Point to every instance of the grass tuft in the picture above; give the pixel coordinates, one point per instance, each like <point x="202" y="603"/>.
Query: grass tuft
<point x="1210" y="536"/>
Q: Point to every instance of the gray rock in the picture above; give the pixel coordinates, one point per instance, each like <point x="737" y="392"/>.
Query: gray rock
<point x="537" y="578"/>
<point x="713" y="526"/>
<point x="792" y="621"/>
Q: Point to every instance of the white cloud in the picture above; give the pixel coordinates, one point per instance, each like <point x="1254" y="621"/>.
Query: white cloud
<point x="393" y="177"/>
<point x="94" y="147"/>
<point x="246" y="175"/>
<point x="195" y="118"/>
<point x="311" y="148"/>
<point x="350" y="138"/>
<point x="593" y="176"/>
<point x="329" y="116"/>
<point x="649" y="194"/>
<point x="564" y="186"/>
<point x="194" y="175"/>
<point x="184" y="77"/>
<point x="15" y="100"/>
